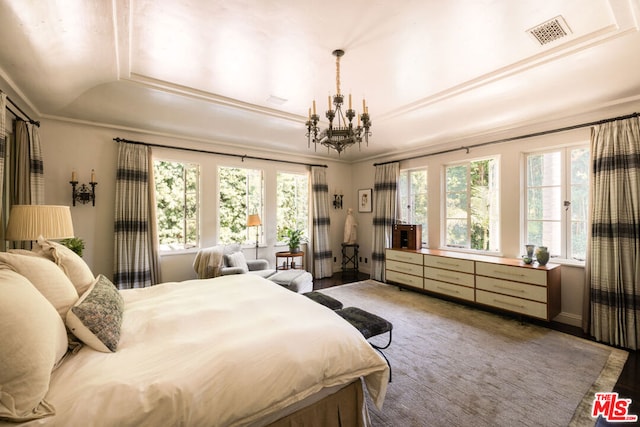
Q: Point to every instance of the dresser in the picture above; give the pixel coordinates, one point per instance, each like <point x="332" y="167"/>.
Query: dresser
<point x="500" y="283"/>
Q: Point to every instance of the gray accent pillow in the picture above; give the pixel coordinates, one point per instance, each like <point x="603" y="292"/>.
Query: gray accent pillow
<point x="237" y="259"/>
<point x="97" y="316"/>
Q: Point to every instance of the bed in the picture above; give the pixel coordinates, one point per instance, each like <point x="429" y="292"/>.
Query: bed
<point x="234" y="350"/>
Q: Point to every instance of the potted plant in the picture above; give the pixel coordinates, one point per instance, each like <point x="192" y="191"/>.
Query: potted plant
<point x="294" y="237"/>
<point x="76" y="244"/>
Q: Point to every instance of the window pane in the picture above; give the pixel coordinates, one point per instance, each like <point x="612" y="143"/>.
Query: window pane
<point x="544" y="169"/>
<point x="457" y="234"/>
<point x="545" y="203"/>
<point x="176" y="187"/>
<point x="472" y="200"/>
<point x="579" y="240"/>
<point x="412" y="199"/>
<point x="293" y="203"/>
<point x="580" y="166"/>
<point x="240" y="195"/>
<point x="456" y="179"/>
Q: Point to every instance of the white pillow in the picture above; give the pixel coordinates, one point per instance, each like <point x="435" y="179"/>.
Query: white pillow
<point x="70" y="262"/>
<point x="47" y="277"/>
<point x="34" y="341"/>
<point x="97" y="316"/>
<point x="237" y="259"/>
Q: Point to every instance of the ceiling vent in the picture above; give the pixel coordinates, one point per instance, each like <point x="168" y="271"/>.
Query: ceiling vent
<point x="551" y="30"/>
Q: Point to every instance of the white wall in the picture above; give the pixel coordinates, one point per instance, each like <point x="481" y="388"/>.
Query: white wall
<point x="511" y="156"/>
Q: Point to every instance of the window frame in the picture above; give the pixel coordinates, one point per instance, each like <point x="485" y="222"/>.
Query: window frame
<point x="188" y="164"/>
<point x="249" y="238"/>
<point x="307" y="228"/>
<point x="566" y="186"/>
<point x="494" y="222"/>
<point x="411" y="211"/>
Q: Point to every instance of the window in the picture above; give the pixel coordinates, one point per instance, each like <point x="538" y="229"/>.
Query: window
<point x="557" y="189"/>
<point x="177" y="204"/>
<point x="471" y="207"/>
<point x="240" y="195"/>
<point x="293" y="203"/>
<point x="412" y="199"/>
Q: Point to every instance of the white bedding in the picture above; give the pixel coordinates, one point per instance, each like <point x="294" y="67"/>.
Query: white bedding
<point x="223" y="351"/>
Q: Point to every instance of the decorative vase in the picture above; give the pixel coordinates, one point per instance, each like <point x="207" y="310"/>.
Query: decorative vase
<point x="542" y="255"/>
<point x="529" y="249"/>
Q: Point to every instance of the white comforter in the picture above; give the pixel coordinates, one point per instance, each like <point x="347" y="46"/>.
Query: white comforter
<point x="224" y="351"/>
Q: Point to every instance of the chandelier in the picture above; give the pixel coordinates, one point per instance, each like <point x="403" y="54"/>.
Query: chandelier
<point x="342" y="133"/>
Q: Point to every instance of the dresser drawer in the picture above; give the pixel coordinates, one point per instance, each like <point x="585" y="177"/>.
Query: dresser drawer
<point x="522" y="306"/>
<point x="403" y="267"/>
<point x="449" y="276"/>
<point x="461" y="292"/>
<point x="463" y="265"/>
<point x="411" y="257"/>
<point x="516" y="289"/>
<point x="507" y="272"/>
<point x="405" y="279"/>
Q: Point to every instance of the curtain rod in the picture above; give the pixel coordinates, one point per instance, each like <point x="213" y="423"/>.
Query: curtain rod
<point x="30" y="120"/>
<point x="514" y="138"/>
<point x="195" y="150"/>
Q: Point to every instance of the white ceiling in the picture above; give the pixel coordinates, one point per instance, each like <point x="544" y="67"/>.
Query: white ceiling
<point x="434" y="73"/>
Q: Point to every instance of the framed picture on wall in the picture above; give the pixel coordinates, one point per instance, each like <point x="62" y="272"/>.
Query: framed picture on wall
<point x="365" y="200"/>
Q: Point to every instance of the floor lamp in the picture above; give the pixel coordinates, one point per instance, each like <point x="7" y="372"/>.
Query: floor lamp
<point x="254" y="221"/>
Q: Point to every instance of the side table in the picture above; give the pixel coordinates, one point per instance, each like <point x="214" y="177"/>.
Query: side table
<point x="350" y="260"/>
<point x="292" y="260"/>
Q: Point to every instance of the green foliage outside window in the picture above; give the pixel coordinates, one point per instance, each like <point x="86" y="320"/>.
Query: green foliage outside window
<point x="240" y="195"/>
<point x="293" y="204"/>
<point x="472" y="205"/>
<point x="176" y="186"/>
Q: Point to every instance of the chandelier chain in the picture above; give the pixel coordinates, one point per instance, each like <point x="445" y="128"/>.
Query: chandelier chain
<point x="338" y="74"/>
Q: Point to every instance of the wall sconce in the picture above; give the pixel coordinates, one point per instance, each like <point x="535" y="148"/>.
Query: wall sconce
<point x="83" y="194"/>
<point x="337" y="200"/>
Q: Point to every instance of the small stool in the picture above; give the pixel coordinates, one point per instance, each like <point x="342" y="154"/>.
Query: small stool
<point x="369" y="326"/>
<point x="323" y="299"/>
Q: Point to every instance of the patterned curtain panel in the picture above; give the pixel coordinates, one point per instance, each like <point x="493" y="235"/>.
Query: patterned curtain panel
<point x="322" y="265"/>
<point x="384" y="215"/>
<point x="615" y="233"/>
<point x="36" y="166"/>
<point x="20" y="173"/>
<point x="3" y="143"/>
<point x="135" y="257"/>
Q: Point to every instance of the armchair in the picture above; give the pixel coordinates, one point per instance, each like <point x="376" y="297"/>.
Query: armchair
<point x="228" y="259"/>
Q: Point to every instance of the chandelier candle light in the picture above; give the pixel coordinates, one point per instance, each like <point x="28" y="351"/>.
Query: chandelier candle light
<point x="344" y="133"/>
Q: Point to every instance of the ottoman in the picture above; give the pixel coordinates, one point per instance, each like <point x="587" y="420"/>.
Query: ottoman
<point x="323" y="299"/>
<point x="299" y="281"/>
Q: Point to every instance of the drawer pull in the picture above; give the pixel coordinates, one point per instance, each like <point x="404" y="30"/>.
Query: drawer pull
<point x="522" y="291"/>
<point x="508" y="274"/>
<point x="448" y="264"/>
<point x="451" y="291"/>
<point x="509" y="303"/>
<point x="445" y="277"/>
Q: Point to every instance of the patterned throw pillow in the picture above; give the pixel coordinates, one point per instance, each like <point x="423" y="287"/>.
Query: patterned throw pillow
<point x="97" y="316"/>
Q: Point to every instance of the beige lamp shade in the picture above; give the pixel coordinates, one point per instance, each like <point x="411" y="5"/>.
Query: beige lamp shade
<point x="253" y="220"/>
<point x="28" y="222"/>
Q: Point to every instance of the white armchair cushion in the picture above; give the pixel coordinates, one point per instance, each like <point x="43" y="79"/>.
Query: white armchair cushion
<point x="237" y="259"/>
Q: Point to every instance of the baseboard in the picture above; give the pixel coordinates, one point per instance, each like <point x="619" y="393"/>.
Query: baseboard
<point x="569" y="319"/>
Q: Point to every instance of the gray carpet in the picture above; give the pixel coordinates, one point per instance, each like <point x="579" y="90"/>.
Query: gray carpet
<point x="455" y="365"/>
